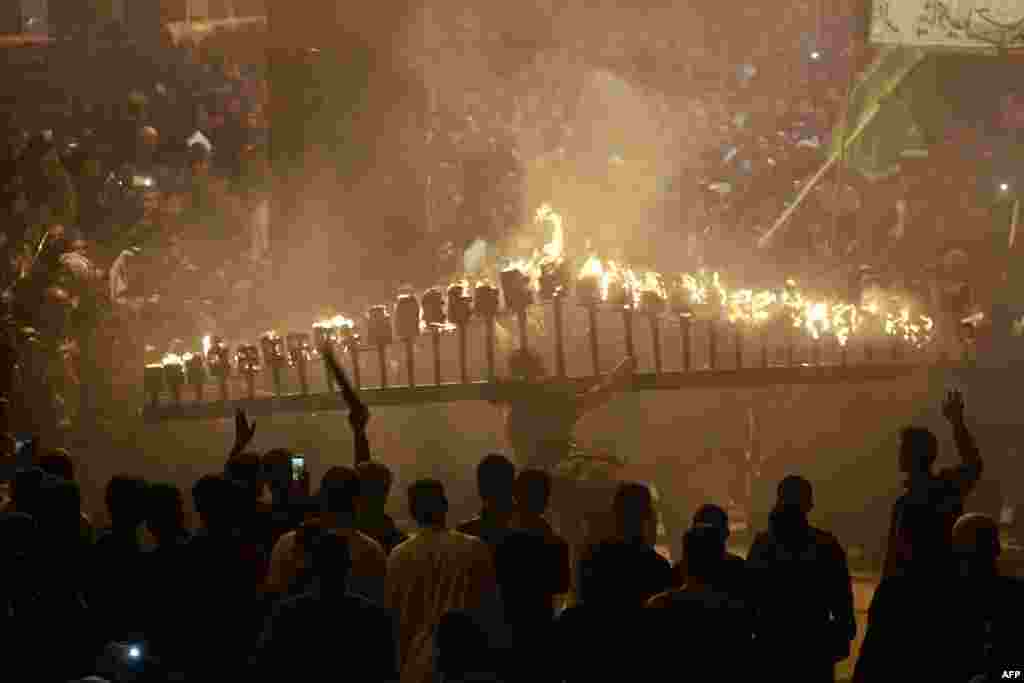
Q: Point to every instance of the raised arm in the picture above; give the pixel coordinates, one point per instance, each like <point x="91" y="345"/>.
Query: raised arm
<point x="358" y="413"/>
<point x="244" y="432"/>
<point x="969" y="472"/>
<point x="602" y="393"/>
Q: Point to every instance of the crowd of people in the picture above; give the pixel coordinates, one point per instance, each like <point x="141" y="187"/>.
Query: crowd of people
<point x="274" y="580"/>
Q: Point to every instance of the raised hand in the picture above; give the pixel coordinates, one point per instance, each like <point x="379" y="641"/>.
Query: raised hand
<point x="358" y="417"/>
<point x="953" y="407"/>
<point x="244" y="431"/>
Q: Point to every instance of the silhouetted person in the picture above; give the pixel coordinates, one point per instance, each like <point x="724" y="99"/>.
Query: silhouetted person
<point x="730" y="577"/>
<point x="288" y="506"/>
<point x="801" y="591"/>
<point x="712" y="625"/>
<point x="374" y="488"/>
<point x="635" y="522"/>
<point x="311" y="623"/>
<point x="532" y="493"/>
<point x="495" y="479"/>
<point x="435" y="571"/>
<point x="20" y="620"/>
<point x="944" y="626"/>
<point x="935" y="496"/>
<point x="463" y="650"/>
<point x="223" y="603"/>
<point x="118" y="562"/>
<point x="167" y="563"/>
<point x="339" y="495"/>
<point x="58" y="463"/>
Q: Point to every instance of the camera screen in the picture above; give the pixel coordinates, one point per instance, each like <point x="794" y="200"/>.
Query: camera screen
<point x="298" y="468"/>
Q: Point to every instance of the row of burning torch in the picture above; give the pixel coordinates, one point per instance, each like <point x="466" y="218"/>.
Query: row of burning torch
<point x="435" y="316"/>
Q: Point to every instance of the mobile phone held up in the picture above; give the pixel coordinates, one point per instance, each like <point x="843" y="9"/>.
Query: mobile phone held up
<point x="298" y="468"/>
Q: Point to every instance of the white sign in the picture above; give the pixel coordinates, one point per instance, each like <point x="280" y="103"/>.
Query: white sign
<point x="975" y="25"/>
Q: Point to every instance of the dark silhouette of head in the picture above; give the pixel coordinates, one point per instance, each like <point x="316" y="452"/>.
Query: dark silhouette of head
<point x="247" y="470"/>
<point x="126" y="502"/>
<point x="375" y="481"/>
<point x="976" y="543"/>
<point x="795" y="494"/>
<point x="633" y="508"/>
<point x="59" y="513"/>
<point x="462" y="645"/>
<point x="17" y="536"/>
<point x="58" y="463"/>
<point x="165" y="515"/>
<point x="533" y="491"/>
<point x="277" y="470"/>
<point x="918" y="450"/>
<point x="339" y="491"/>
<point x="332" y="561"/>
<point x="218" y="502"/>
<point x="526" y="365"/>
<point x="428" y="503"/>
<point x="714" y="516"/>
<point x="496" y="480"/>
<point x="703" y="550"/>
<point x="25" y="491"/>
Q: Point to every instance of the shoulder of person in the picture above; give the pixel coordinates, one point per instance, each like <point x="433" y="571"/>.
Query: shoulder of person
<point x="368" y="543"/>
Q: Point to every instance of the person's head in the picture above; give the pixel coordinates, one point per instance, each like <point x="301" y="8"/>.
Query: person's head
<point x="428" y="503"/>
<point x="713" y="516"/>
<point x="633" y="507"/>
<point x="218" y="501"/>
<point x="918" y="450"/>
<point x="59" y="511"/>
<point x="496" y="480"/>
<point x="375" y="481"/>
<point x="58" y="463"/>
<point x="703" y="550"/>
<point x="126" y="502"/>
<point x="247" y="470"/>
<point x="525" y="364"/>
<point x="976" y="541"/>
<point x="331" y="560"/>
<point x="461" y="645"/>
<point x="533" y="491"/>
<point x="339" y="491"/>
<point x="795" y="494"/>
<point x="165" y="514"/>
<point x="277" y="470"/>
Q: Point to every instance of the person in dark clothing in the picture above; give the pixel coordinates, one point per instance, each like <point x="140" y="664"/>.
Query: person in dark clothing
<point x="495" y="477"/>
<point x="463" y="650"/>
<point x="118" y="561"/>
<point x="730" y="577"/>
<point x="945" y="626"/>
<point x="374" y="488"/>
<point x="299" y="624"/>
<point x="717" y="630"/>
<point x="166" y="565"/>
<point x="936" y="499"/>
<point x="800" y="590"/>
<point x="233" y="569"/>
<point x="287" y="507"/>
<point x="532" y="492"/>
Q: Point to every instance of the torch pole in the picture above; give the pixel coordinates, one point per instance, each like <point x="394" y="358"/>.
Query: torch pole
<point x="435" y="340"/>
<point x="489" y="327"/>
<point x="250" y="385"/>
<point x="521" y="318"/>
<point x="463" y="370"/>
<point x="198" y="388"/>
<point x="790" y="347"/>
<point x="410" y="361"/>
<point x="685" y="342"/>
<point x="331" y="387"/>
<point x="738" y="338"/>
<point x="225" y="394"/>
<point x="869" y="352"/>
<point x="656" y="342"/>
<point x="303" y="376"/>
<point x="764" y="348"/>
<point x="842" y="355"/>
<point x="176" y="393"/>
<point x="357" y="373"/>
<point x="816" y="350"/>
<point x="595" y="355"/>
<point x="382" y="358"/>
<point x="712" y="345"/>
<point x="558" y="305"/>
<point x="627" y="322"/>
<point x="897" y="348"/>
<point x="276" y="371"/>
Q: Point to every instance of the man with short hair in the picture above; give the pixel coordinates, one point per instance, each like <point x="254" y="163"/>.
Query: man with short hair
<point x="374" y="488"/>
<point x="934" y="500"/>
<point x="730" y="576"/>
<point x="339" y="493"/>
<point x="434" y="572"/>
<point x="495" y="478"/>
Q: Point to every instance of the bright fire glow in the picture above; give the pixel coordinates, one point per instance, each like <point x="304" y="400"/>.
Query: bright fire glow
<point x="172" y="359"/>
<point x="207" y="344"/>
<point x="592" y="268"/>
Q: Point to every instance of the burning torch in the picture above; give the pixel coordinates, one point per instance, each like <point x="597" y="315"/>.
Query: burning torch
<point x="276" y="357"/>
<point x="154" y="383"/>
<point x="588" y="294"/>
<point x="407" y="312"/>
<point x="325" y="337"/>
<point x="518" y="296"/>
<point x="380" y="336"/>
<point x="459" y="312"/>
<point x="554" y="279"/>
<point x="218" y="359"/>
<point x="299" y="354"/>
<point x="485" y="305"/>
<point x="433" y="316"/>
<point x="653" y="304"/>
<point x="248" y="358"/>
<point x="174" y="375"/>
<point x="679" y="302"/>
<point x="620" y="295"/>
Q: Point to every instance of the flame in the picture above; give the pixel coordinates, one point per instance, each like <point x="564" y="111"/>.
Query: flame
<point x="915" y="330"/>
<point x="845" y="322"/>
<point x="270" y="334"/>
<point x="207" y="344"/>
<point x="330" y="324"/>
<point x="654" y="282"/>
<point x="592" y="268"/>
<point x="611" y="274"/>
<point x="750" y="307"/>
<point x="172" y="359"/>
<point x="553" y="250"/>
<point x="633" y="286"/>
<point x="187" y="357"/>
